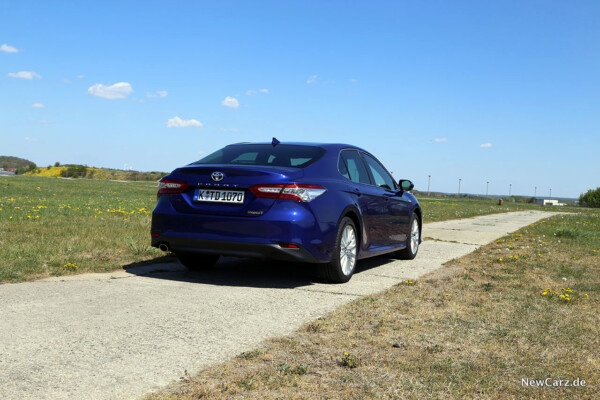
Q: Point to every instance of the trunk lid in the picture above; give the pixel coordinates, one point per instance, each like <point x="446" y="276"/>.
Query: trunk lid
<point x="233" y="179"/>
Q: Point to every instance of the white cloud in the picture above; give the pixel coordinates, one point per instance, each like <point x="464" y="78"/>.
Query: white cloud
<point x="8" y="49"/>
<point x="117" y="91"/>
<point x="79" y="76"/>
<point x="30" y="139"/>
<point x="24" y="75"/>
<point x="37" y="105"/>
<point x="231" y="102"/>
<point x="65" y="80"/>
<point x="177" y="122"/>
<point x="486" y="145"/>
<point x="159" y="93"/>
<point x="254" y="92"/>
<point x="353" y="80"/>
<point x="440" y="140"/>
<point x="312" y="79"/>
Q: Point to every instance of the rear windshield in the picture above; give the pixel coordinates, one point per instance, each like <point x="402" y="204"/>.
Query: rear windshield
<point x="282" y="155"/>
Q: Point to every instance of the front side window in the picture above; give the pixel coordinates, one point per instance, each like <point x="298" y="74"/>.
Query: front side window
<point x="380" y="175"/>
<point x="355" y="167"/>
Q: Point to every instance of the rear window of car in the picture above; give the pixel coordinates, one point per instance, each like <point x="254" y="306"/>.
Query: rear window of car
<point x="282" y="155"/>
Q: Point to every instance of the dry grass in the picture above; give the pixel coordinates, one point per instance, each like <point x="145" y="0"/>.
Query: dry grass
<point x="474" y="329"/>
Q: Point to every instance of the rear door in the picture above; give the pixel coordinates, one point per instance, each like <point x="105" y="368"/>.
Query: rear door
<point x="366" y="195"/>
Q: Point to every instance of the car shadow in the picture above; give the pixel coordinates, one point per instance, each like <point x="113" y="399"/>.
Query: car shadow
<point x="243" y="272"/>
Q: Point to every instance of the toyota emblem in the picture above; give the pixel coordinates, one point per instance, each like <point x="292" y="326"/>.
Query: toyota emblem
<point x="217" y="176"/>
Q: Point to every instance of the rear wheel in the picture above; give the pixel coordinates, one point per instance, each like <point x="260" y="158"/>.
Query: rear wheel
<point x="343" y="261"/>
<point x="412" y="242"/>
<point x="197" y="261"/>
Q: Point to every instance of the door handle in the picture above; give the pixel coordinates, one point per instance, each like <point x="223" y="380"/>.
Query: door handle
<point x="357" y="191"/>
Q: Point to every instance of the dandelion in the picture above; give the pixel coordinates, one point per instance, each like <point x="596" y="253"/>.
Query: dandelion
<point x="71" y="266"/>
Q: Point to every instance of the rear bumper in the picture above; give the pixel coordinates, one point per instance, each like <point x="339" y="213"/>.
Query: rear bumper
<point x="285" y="222"/>
<point x="235" y="249"/>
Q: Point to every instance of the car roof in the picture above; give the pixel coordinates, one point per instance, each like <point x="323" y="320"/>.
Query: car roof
<point x="326" y="146"/>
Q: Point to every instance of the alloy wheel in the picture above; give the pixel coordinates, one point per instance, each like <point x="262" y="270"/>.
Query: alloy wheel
<point x="414" y="236"/>
<point x="348" y="250"/>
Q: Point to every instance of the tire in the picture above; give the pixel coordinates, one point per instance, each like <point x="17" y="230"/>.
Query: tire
<point x="412" y="241"/>
<point x="343" y="261"/>
<point x="197" y="261"/>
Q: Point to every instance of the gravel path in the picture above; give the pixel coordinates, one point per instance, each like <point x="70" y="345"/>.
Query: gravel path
<point x="122" y="334"/>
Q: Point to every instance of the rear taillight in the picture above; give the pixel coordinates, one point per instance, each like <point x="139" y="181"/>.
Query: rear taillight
<point x="286" y="245"/>
<point x="171" y="186"/>
<point x="294" y="192"/>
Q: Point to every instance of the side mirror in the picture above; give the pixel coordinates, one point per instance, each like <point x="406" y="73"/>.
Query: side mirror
<point x="406" y="185"/>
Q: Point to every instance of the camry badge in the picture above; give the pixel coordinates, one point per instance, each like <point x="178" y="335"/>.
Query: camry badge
<point x="217" y="176"/>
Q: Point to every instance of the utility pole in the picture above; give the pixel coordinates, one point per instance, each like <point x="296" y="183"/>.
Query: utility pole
<point x="428" y="183"/>
<point x="535" y="191"/>
<point x="459" y="186"/>
<point x="487" y="185"/>
<point x="550" y="192"/>
<point x="509" y="189"/>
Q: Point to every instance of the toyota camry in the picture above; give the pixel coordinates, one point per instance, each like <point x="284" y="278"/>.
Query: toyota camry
<point x="331" y="204"/>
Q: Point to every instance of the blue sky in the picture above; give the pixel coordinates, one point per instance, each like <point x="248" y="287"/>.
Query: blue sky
<point x="505" y="92"/>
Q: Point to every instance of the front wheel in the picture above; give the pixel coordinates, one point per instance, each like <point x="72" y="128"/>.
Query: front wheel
<point x="197" y="261"/>
<point x="343" y="261"/>
<point x="412" y="242"/>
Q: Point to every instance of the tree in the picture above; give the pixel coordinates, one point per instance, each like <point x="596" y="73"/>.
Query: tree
<point x="591" y="198"/>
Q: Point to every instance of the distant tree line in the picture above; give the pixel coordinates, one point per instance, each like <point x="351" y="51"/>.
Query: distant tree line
<point x="591" y="198"/>
<point x="28" y="168"/>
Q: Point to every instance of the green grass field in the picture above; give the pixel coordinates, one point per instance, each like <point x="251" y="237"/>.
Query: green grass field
<point x="439" y="209"/>
<point x="52" y="226"/>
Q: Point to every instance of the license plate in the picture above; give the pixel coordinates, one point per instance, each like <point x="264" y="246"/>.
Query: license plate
<point x="219" y="196"/>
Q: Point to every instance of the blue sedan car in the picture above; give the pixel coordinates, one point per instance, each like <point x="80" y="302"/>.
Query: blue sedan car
<point x="331" y="204"/>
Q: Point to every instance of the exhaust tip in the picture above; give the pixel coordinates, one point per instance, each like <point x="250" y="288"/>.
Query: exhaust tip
<point x="164" y="247"/>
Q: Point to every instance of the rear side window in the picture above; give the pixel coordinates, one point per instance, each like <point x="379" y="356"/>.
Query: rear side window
<point x="355" y="167"/>
<point x="282" y="155"/>
<point x="342" y="168"/>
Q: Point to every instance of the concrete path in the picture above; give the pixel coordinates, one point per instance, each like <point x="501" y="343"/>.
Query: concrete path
<point x="121" y="335"/>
